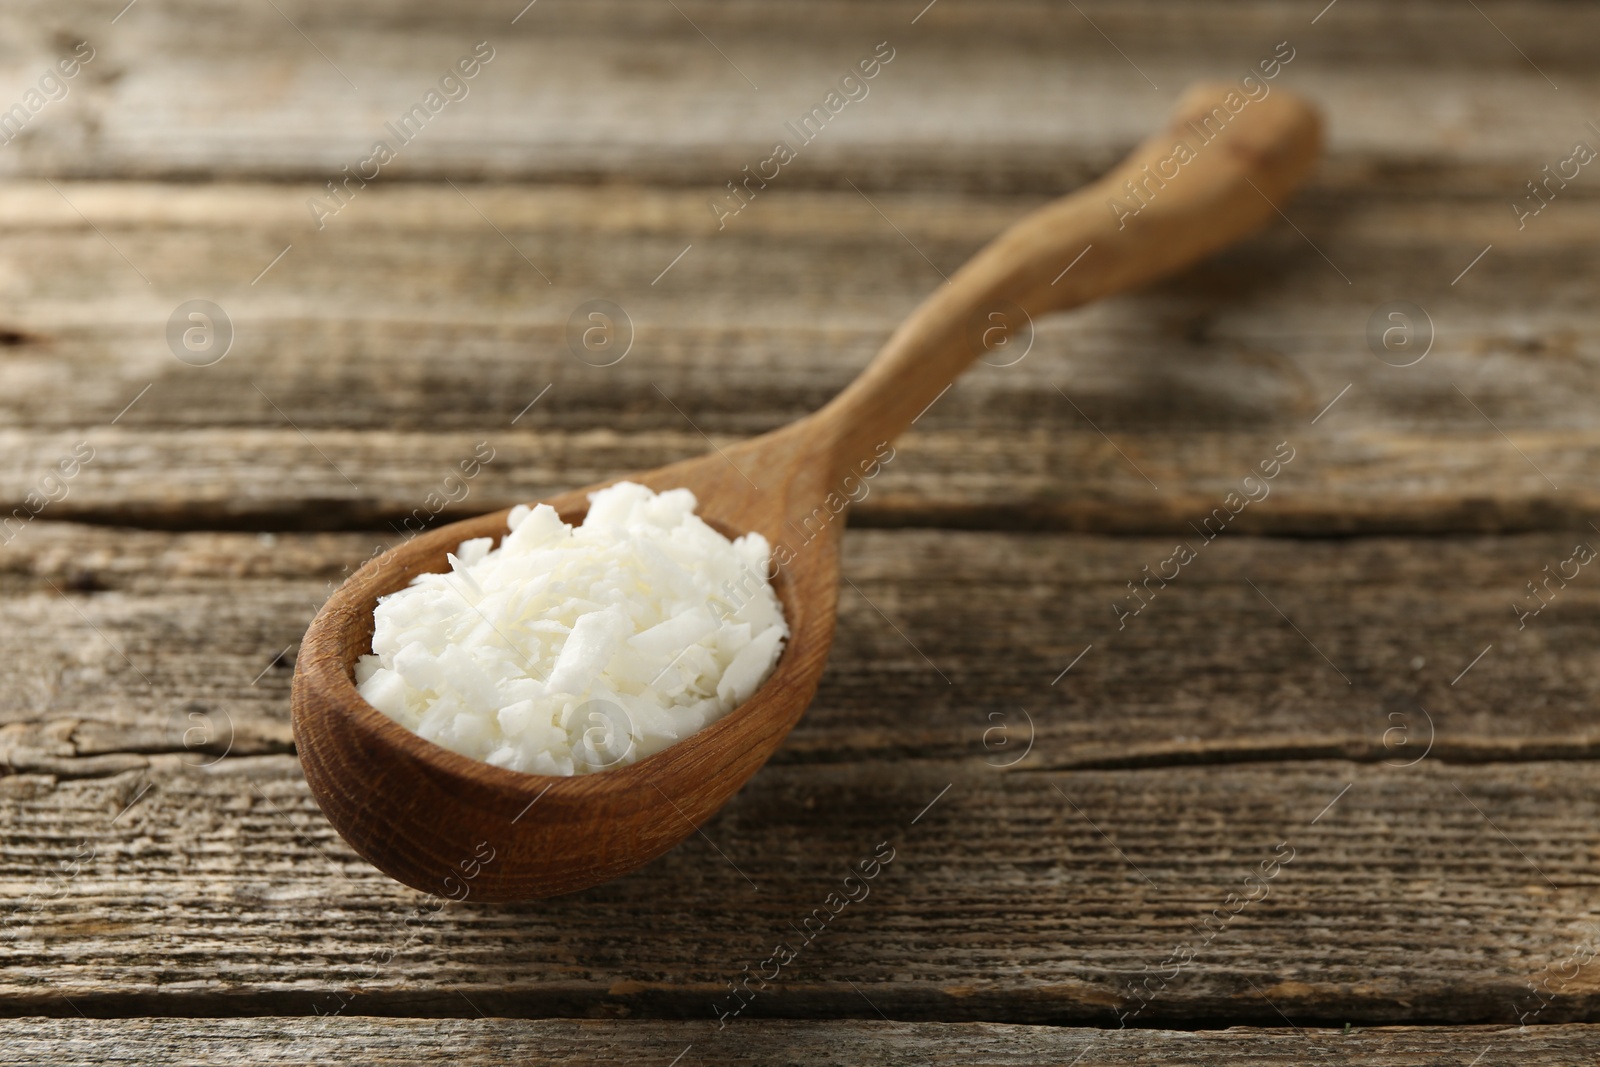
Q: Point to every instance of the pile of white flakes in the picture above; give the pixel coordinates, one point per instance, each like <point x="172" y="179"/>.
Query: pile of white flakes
<point x="568" y="649"/>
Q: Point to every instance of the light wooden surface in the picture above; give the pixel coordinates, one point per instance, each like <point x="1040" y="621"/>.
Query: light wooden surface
<point x="213" y="917"/>
<point x="1195" y="380"/>
<point x="226" y="892"/>
<point x="59" y="1042"/>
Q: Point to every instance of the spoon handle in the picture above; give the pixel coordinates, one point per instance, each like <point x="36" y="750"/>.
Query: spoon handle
<point x="1218" y="171"/>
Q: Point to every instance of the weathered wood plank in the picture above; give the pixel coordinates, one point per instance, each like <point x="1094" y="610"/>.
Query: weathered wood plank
<point x="182" y="88"/>
<point x="369" y="361"/>
<point x="64" y="1042"/>
<point x="396" y="336"/>
<point x="1020" y="897"/>
<point x="1208" y="671"/>
<point x="1355" y="482"/>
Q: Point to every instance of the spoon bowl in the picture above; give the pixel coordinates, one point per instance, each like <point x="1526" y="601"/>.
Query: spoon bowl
<point x="451" y="825"/>
<point x="428" y="816"/>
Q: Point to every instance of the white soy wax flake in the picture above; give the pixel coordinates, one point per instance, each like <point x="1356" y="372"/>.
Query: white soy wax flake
<point x="568" y="650"/>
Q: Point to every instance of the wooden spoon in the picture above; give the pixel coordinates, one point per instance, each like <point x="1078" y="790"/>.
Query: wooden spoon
<point x="447" y="824"/>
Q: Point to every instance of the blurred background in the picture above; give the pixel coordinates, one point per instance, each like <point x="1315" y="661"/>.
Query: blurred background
<point x="273" y="273"/>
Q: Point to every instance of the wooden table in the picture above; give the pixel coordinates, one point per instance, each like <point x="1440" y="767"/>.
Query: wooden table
<point x="1345" y="693"/>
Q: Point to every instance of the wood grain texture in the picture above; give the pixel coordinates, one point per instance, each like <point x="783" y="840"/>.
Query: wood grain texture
<point x="1031" y="93"/>
<point x="223" y="891"/>
<point x="1020" y="897"/>
<point x="448" y="335"/>
<point x="1207" y="672"/>
<point x="219" y="1042"/>
<point x="1344" y="483"/>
